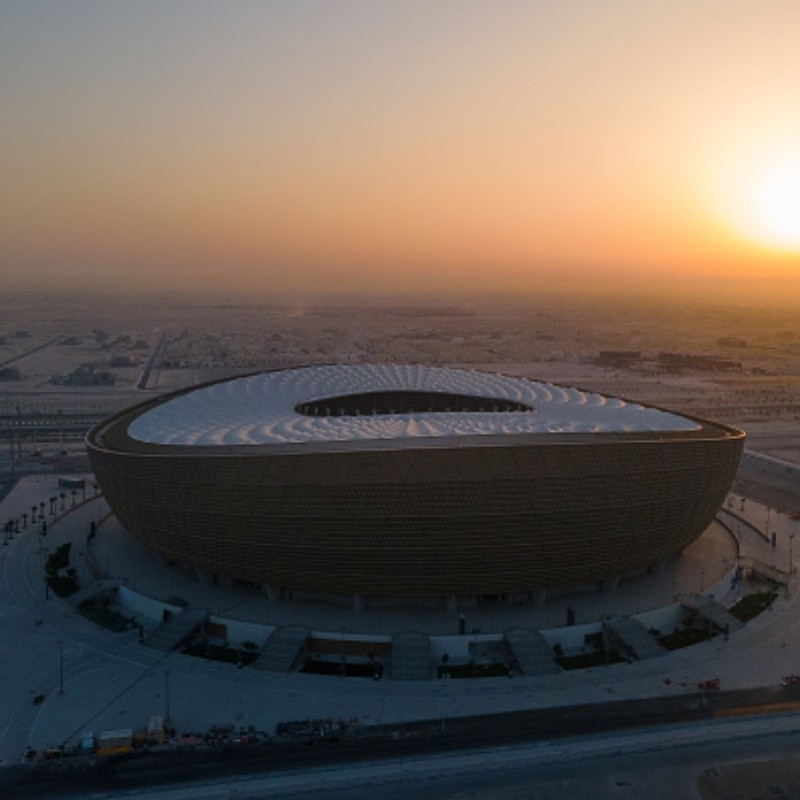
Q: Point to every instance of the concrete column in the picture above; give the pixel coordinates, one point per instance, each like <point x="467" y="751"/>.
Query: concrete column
<point x="272" y="592"/>
<point x="451" y="604"/>
<point x="359" y="602"/>
<point x="206" y="578"/>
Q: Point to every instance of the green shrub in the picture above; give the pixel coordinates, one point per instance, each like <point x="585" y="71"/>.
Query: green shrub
<point x="752" y="605"/>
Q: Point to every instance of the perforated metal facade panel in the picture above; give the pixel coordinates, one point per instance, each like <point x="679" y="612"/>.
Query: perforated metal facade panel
<point x="516" y="514"/>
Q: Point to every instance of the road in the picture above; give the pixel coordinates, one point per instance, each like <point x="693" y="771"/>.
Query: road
<point x="560" y="734"/>
<point x="760" y="480"/>
<point x="28" y="352"/>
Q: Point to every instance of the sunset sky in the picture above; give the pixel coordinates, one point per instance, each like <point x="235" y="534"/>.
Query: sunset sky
<point x="396" y="146"/>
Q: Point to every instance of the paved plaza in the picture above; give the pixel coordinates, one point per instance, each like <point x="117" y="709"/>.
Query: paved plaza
<point x="110" y="680"/>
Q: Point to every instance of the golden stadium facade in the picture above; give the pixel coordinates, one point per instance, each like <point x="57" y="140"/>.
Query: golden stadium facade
<point x="405" y="480"/>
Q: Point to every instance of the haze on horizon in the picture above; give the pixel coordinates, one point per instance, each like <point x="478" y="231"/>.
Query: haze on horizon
<point x="401" y="146"/>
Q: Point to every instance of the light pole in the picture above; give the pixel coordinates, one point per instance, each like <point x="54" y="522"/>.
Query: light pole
<point x="60" y="666"/>
<point x="46" y="577"/>
<point x="166" y="696"/>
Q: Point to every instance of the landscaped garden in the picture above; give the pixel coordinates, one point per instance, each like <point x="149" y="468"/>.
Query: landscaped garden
<point x="493" y="670"/>
<point x="223" y="652"/>
<point x="752" y="605"/>
<point x="101" y="614"/>
<point x="61" y="578"/>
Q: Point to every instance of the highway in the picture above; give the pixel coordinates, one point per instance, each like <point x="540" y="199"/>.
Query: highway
<point x="766" y="481"/>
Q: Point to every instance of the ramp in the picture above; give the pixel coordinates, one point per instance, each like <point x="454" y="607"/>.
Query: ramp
<point x="715" y="614"/>
<point x="631" y="637"/>
<point x="282" y="650"/>
<point x="531" y="652"/>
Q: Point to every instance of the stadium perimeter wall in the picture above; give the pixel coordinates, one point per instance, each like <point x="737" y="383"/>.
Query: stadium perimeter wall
<point x="532" y="513"/>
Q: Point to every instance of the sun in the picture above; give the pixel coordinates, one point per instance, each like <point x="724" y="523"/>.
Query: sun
<point x="774" y="217"/>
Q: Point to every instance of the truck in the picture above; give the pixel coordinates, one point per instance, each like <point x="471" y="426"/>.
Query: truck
<point x="113" y="742"/>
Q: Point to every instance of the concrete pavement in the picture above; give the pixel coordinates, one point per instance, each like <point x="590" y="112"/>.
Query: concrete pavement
<point x="111" y="681"/>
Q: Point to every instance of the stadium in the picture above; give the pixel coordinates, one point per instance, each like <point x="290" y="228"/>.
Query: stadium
<point x="410" y="481"/>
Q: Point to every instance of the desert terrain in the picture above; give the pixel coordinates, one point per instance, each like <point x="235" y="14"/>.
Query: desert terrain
<point x="93" y="355"/>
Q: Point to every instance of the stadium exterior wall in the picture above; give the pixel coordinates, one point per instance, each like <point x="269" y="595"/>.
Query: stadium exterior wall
<point x="521" y="514"/>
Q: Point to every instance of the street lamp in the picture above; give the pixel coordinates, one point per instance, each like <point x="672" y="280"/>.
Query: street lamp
<point x="60" y="666"/>
<point x="166" y="695"/>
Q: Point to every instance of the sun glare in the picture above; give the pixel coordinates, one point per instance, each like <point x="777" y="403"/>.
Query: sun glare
<point x="775" y="203"/>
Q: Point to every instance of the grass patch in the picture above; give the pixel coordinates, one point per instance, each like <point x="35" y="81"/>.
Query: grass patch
<point x="59" y="558"/>
<point x="752" y="605"/>
<point x="62" y="584"/>
<point x="316" y="666"/>
<point x="685" y="637"/>
<point x="103" y="616"/>
<point x="218" y="652"/>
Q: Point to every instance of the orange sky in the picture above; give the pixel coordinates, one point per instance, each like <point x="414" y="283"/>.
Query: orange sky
<point x="395" y="145"/>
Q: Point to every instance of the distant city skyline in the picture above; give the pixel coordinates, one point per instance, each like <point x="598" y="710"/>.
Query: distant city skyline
<point x="401" y="146"/>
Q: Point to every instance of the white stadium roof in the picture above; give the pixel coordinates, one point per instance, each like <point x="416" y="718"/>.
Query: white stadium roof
<point x="261" y="409"/>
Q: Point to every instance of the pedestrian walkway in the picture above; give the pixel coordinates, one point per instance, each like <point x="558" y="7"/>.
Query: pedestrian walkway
<point x="701" y="567"/>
